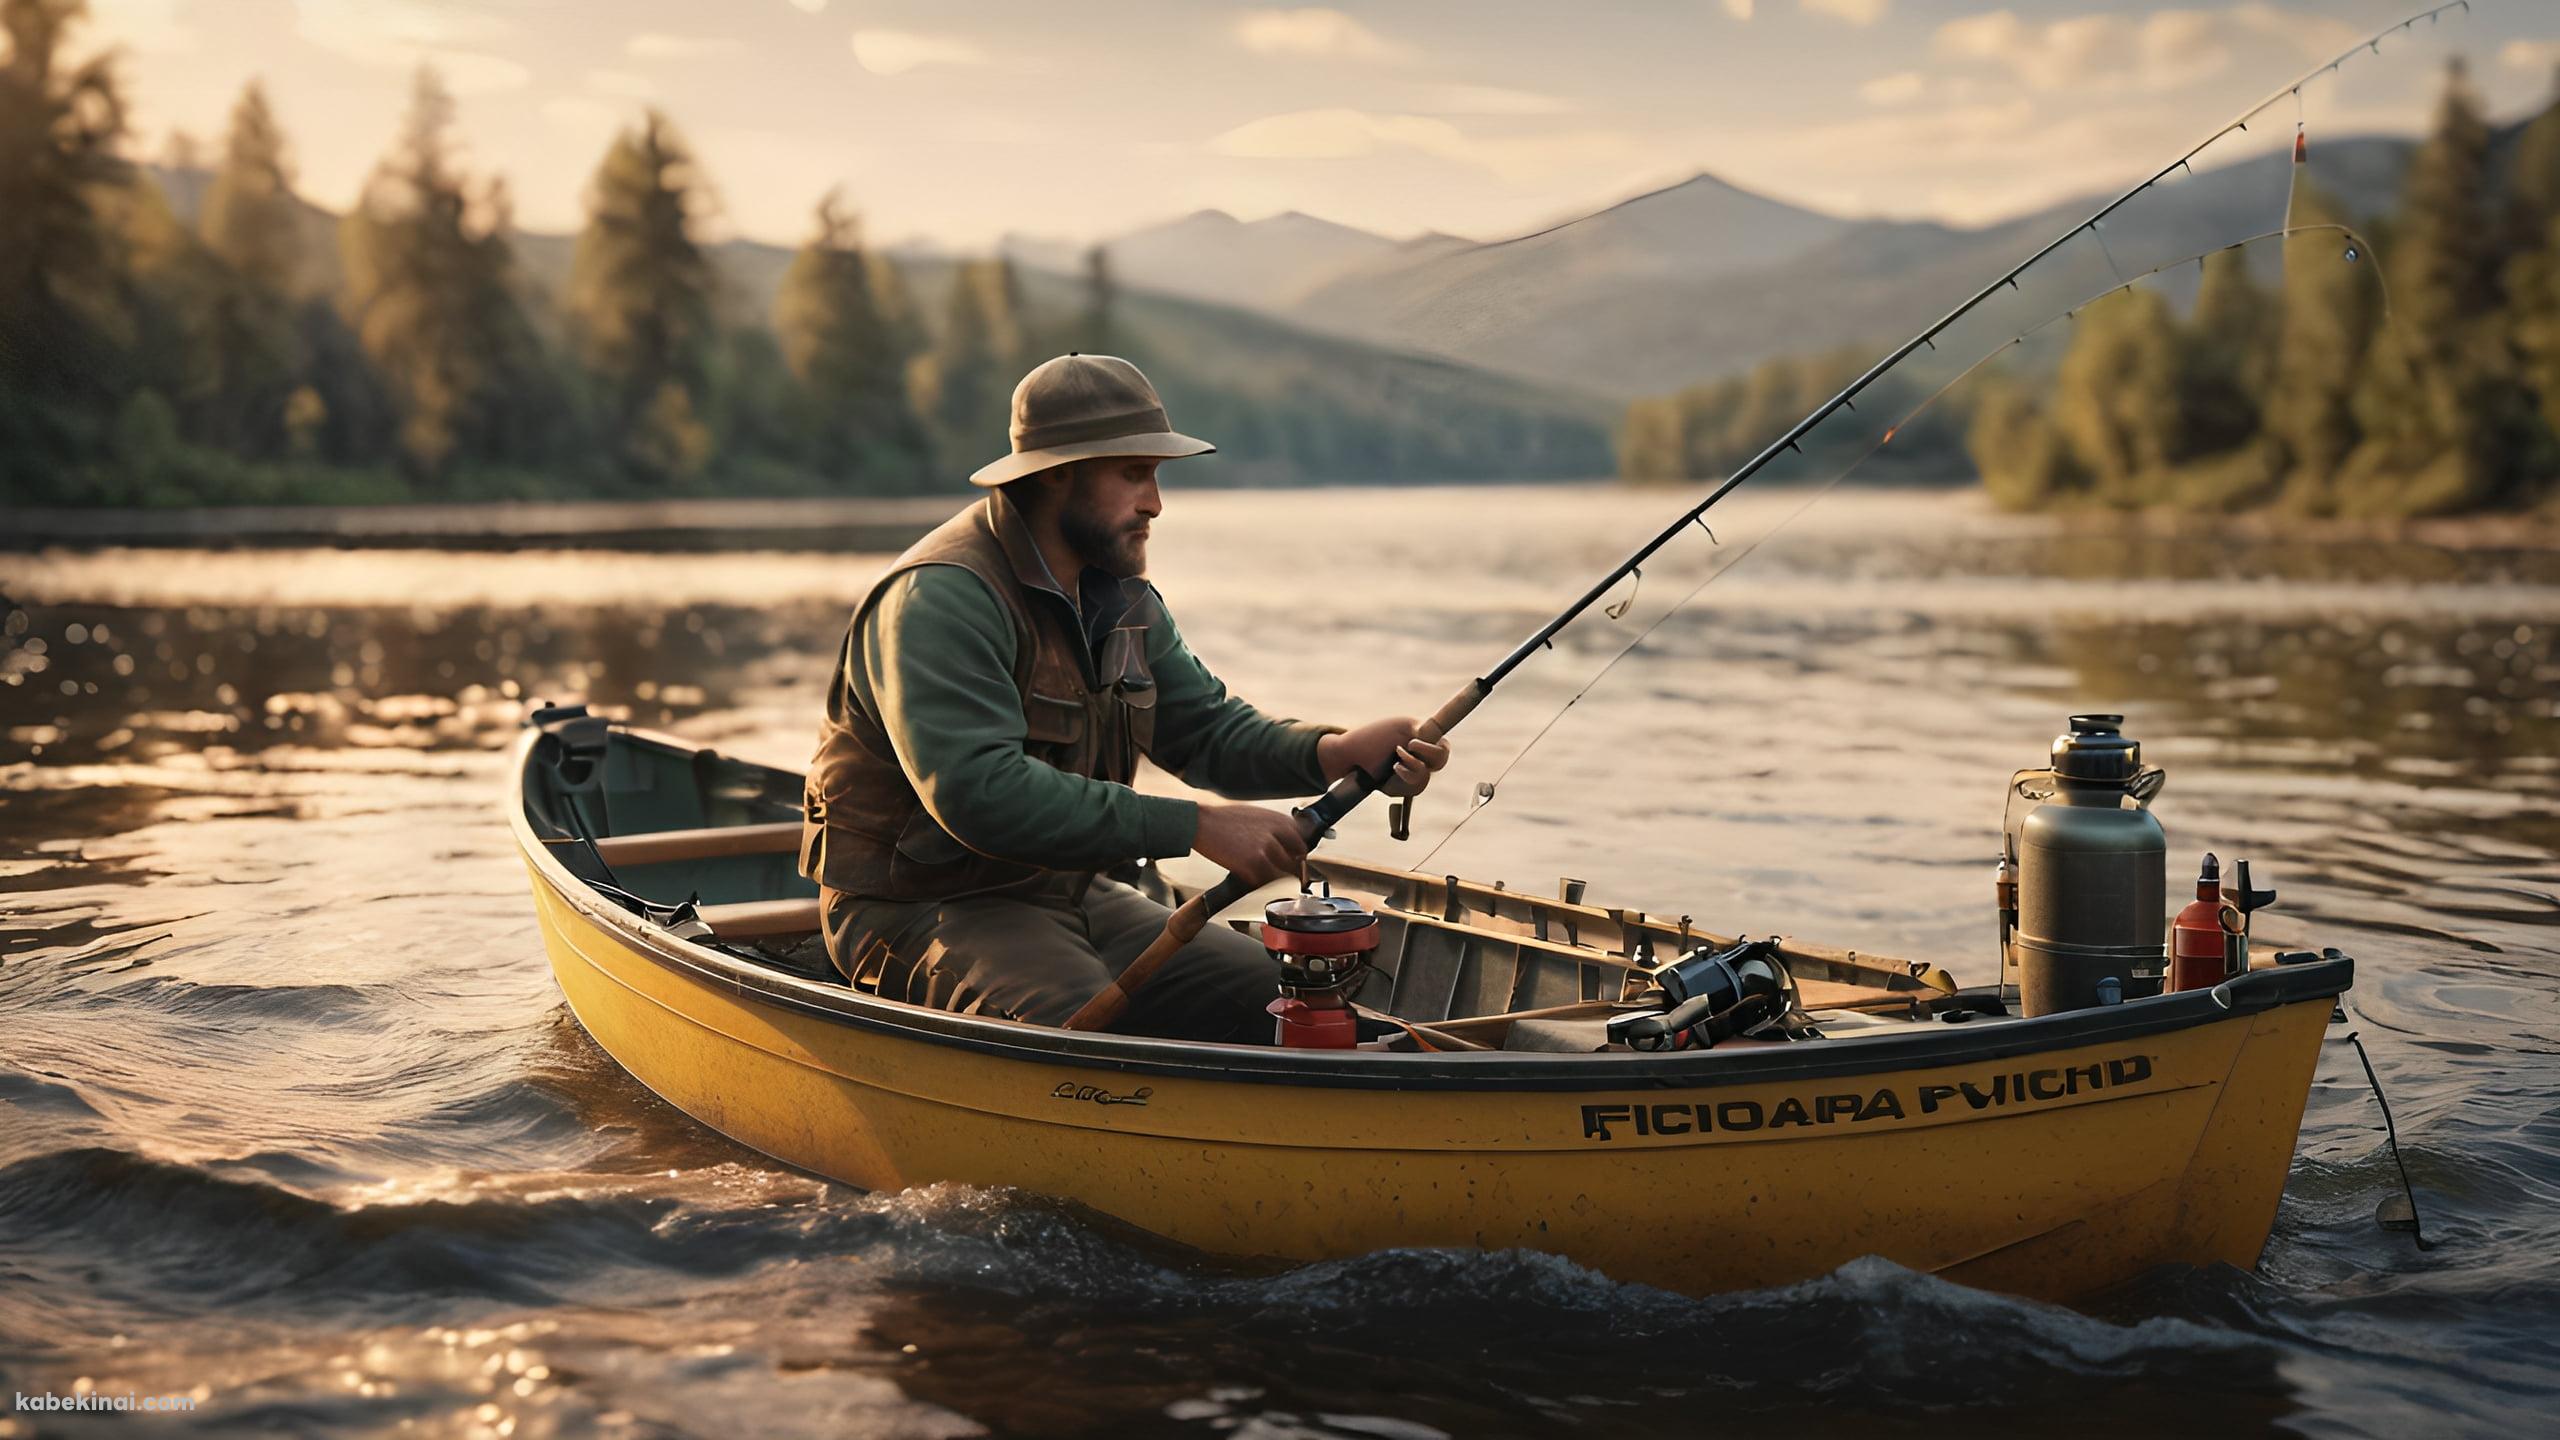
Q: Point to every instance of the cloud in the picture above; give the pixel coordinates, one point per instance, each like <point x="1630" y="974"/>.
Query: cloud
<point x="1899" y="88"/>
<point x="895" y="52"/>
<point x="2090" y="53"/>
<point x="1738" y="9"/>
<point x="585" y="119"/>
<point x="149" y="26"/>
<point x="809" y="7"/>
<point x="2315" y="37"/>
<point x="1345" y="134"/>
<point x="404" y="34"/>
<point x="1855" y="12"/>
<point x="2536" y="55"/>
<point x="2109" y="53"/>
<point x="622" y="84"/>
<point x="1336" y="134"/>
<point x="1490" y="100"/>
<point x="1315" y="31"/>
<point x="654" y="46"/>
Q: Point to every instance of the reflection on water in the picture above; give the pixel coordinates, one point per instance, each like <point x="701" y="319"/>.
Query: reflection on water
<point x="294" y="1117"/>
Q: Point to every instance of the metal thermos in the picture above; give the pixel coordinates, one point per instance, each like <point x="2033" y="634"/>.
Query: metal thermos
<point x="2093" y="867"/>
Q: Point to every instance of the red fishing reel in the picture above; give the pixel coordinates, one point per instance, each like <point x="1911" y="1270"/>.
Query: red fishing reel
<point x="1323" y="945"/>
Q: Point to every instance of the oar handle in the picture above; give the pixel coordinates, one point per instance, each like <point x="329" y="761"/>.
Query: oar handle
<point x="1191" y="917"/>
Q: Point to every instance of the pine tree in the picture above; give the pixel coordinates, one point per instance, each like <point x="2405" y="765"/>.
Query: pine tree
<point x="2533" y="274"/>
<point x="251" y="224"/>
<point x="2118" y="403"/>
<point x="2324" y="336"/>
<point x="60" y="306"/>
<point x="2533" y="178"/>
<point x="2024" y="462"/>
<point x="965" y="385"/>
<point x="1101" y="298"/>
<point x="2446" y="421"/>
<point x="251" y="219"/>
<point x="2228" y="356"/>
<point x="640" y="295"/>
<point x="1649" y="445"/>
<point x="850" y="361"/>
<point x="430" y="295"/>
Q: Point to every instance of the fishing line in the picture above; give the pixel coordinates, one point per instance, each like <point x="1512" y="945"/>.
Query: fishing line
<point x="2391" y="1137"/>
<point x="1487" y="791"/>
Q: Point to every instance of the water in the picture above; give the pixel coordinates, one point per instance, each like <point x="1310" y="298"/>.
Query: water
<point x="292" y="1117"/>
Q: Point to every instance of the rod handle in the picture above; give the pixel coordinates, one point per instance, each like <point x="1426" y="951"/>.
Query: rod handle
<point x="1180" y="928"/>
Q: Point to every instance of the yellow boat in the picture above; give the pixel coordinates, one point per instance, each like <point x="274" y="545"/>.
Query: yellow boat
<point x="2048" y="1157"/>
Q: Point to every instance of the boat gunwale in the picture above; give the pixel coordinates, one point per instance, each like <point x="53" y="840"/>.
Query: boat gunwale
<point x="1505" y="1071"/>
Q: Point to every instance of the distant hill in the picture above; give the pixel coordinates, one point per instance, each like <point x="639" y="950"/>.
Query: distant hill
<point x="1703" y="279"/>
<point x="1210" y="255"/>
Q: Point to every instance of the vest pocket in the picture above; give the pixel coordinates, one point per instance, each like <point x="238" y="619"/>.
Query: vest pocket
<point x="1048" y="720"/>
<point x="1124" y="668"/>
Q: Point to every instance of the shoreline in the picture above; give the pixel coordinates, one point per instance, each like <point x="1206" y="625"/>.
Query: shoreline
<point x="2500" y="530"/>
<point x="888" y="523"/>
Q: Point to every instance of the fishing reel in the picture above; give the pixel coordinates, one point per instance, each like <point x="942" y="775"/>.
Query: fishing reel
<point x="1323" y="945"/>
<point x="1713" y="995"/>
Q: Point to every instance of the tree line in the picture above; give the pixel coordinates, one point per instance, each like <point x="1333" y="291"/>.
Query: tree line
<point x="148" y="360"/>
<point x="2420" y="379"/>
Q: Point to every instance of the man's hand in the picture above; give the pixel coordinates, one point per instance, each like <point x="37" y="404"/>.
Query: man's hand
<point x="1394" y="741"/>
<point x="1254" y="844"/>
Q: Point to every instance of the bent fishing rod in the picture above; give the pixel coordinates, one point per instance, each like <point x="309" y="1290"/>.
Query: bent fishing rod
<point x="1346" y="794"/>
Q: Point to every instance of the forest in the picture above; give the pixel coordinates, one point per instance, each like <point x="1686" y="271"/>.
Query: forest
<point x="2422" y="379"/>
<point x="197" y="333"/>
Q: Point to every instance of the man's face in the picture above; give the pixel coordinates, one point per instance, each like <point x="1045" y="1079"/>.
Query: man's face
<point x="1109" y="504"/>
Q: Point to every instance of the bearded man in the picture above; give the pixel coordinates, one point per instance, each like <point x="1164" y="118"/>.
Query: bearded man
<point x="995" y="692"/>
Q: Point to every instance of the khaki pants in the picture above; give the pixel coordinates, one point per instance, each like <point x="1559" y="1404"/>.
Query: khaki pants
<point x="1039" y="951"/>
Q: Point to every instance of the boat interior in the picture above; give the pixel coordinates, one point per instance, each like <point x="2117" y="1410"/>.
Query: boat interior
<point x="707" y="845"/>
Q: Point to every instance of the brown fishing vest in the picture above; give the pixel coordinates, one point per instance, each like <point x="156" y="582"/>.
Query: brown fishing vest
<point x="867" y="832"/>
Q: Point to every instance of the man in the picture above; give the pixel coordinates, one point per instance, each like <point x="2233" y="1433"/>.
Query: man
<point x="987" y="712"/>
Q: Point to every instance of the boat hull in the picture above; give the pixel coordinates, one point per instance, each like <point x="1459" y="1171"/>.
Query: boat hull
<point x="2051" y="1159"/>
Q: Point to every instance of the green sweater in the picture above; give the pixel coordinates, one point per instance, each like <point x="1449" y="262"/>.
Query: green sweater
<point x="936" y="668"/>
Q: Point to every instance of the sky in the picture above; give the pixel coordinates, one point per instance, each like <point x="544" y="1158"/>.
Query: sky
<point x="955" y="122"/>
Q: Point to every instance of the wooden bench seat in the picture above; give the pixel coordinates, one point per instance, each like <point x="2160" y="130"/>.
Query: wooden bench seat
<point x="661" y="847"/>
<point x="761" y="919"/>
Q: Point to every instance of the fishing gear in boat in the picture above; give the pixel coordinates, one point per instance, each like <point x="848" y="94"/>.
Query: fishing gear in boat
<point x="1348" y="793"/>
<point x="1712" y="995"/>
<point x="1323" y="945"/>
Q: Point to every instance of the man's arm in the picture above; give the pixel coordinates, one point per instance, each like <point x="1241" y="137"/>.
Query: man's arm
<point x="1216" y="742"/>
<point x="937" y="666"/>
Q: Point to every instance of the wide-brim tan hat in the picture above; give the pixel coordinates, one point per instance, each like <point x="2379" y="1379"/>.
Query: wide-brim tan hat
<point x="1085" y="407"/>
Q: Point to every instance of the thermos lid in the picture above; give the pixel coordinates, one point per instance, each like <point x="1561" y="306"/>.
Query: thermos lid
<point x="2097" y="751"/>
<point x="1318" y="914"/>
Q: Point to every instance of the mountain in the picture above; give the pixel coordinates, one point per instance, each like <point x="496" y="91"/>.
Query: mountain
<point x="1704" y="279"/>
<point x="1210" y="255"/>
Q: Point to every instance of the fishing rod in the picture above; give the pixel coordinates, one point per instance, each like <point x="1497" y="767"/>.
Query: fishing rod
<point x="1346" y="794"/>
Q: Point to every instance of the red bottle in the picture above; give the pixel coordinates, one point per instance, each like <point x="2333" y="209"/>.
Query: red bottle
<point x="2197" y="956"/>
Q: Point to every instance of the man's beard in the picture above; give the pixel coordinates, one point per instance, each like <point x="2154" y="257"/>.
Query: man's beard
<point x="1121" y="553"/>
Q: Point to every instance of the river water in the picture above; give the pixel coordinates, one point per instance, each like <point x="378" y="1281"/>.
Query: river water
<point x="293" y="1120"/>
